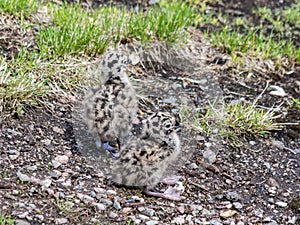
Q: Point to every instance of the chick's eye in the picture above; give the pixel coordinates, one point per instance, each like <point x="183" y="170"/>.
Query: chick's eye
<point x="168" y="125"/>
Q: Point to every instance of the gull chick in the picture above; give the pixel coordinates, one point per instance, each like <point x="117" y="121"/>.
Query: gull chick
<point x="110" y="107"/>
<point x="145" y="157"/>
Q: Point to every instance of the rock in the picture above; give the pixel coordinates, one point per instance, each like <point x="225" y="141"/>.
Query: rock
<point x="281" y="204"/>
<point x="143" y="217"/>
<point x="137" y="199"/>
<point x="195" y="209"/>
<point x="55" y="174"/>
<point x="55" y="164"/>
<point x="99" y="190"/>
<point x="209" y="156"/>
<point x="278" y="144"/>
<point x="215" y="222"/>
<point x="61" y="220"/>
<point x="21" y="222"/>
<point x="175" y="86"/>
<point x="33" y="206"/>
<point x="170" y="100"/>
<point x="58" y="130"/>
<point x="240" y="223"/>
<point x="151" y="222"/>
<point x="228" y="213"/>
<point x="63" y="159"/>
<point x="113" y="215"/>
<point x="85" y="198"/>
<point x="192" y="166"/>
<point x="39" y="217"/>
<point x="233" y="196"/>
<point x="46" y="184"/>
<point x="259" y="213"/>
<point x="179" y="219"/>
<point x="252" y="143"/>
<point x="23" y="177"/>
<point x="99" y="206"/>
<point x="237" y="205"/>
<point x="272" y="182"/>
<point x="180" y="209"/>
<point x="31" y="168"/>
<point x="23" y="215"/>
<point x="106" y="201"/>
<point x="278" y="91"/>
<point x="219" y="196"/>
<point x="149" y="212"/>
<point x="126" y="210"/>
<point x="111" y="192"/>
<point x="117" y="205"/>
<point x="93" y="194"/>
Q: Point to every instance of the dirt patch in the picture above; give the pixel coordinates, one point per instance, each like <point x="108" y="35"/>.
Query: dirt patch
<point x="46" y="180"/>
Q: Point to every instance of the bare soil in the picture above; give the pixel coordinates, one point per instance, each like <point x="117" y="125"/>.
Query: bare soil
<point x="255" y="183"/>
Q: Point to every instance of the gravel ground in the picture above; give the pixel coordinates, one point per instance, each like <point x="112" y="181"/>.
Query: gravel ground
<point x="45" y="178"/>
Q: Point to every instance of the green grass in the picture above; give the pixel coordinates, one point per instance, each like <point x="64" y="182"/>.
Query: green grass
<point x="254" y="43"/>
<point x="237" y="120"/>
<point x="76" y="31"/>
<point x="19" y="8"/>
<point x="75" y="34"/>
<point x="281" y="19"/>
<point x="28" y="80"/>
<point x="19" y="86"/>
<point x="242" y="36"/>
<point x="295" y="102"/>
<point x="6" y="220"/>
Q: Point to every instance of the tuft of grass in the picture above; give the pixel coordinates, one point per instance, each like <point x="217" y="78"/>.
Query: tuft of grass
<point x="6" y="220"/>
<point x="19" y="85"/>
<point x="27" y="80"/>
<point x="74" y="32"/>
<point x="296" y="102"/>
<point x="254" y="43"/>
<point x="19" y="8"/>
<point x="281" y="19"/>
<point x="238" y="120"/>
<point x="77" y="31"/>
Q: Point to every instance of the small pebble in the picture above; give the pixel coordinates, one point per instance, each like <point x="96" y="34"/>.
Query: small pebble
<point x="151" y="222"/>
<point x="100" y="207"/>
<point x="281" y="204"/>
<point x="209" y="156"/>
<point x="117" y="205"/>
<point x="23" y="177"/>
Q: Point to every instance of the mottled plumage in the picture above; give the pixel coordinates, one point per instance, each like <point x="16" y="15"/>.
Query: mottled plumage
<point x="110" y="107"/>
<point x="144" y="158"/>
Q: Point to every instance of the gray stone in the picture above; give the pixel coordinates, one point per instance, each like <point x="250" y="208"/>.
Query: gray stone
<point x="100" y="207"/>
<point x="113" y="215"/>
<point x="169" y="100"/>
<point x="152" y="222"/>
<point x="117" y="205"/>
<point x="281" y="204"/>
<point x="215" y="222"/>
<point x="233" y="196"/>
<point x="149" y="212"/>
<point x="237" y="205"/>
<point x="23" y="177"/>
<point x="209" y="156"/>
<point x="21" y="222"/>
<point x="192" y="166"/>
<point x="61" y="220"/>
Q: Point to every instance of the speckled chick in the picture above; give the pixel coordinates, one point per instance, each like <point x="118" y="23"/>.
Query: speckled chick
<point x="110" y="107"/>
<point x="145" y="157"/>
